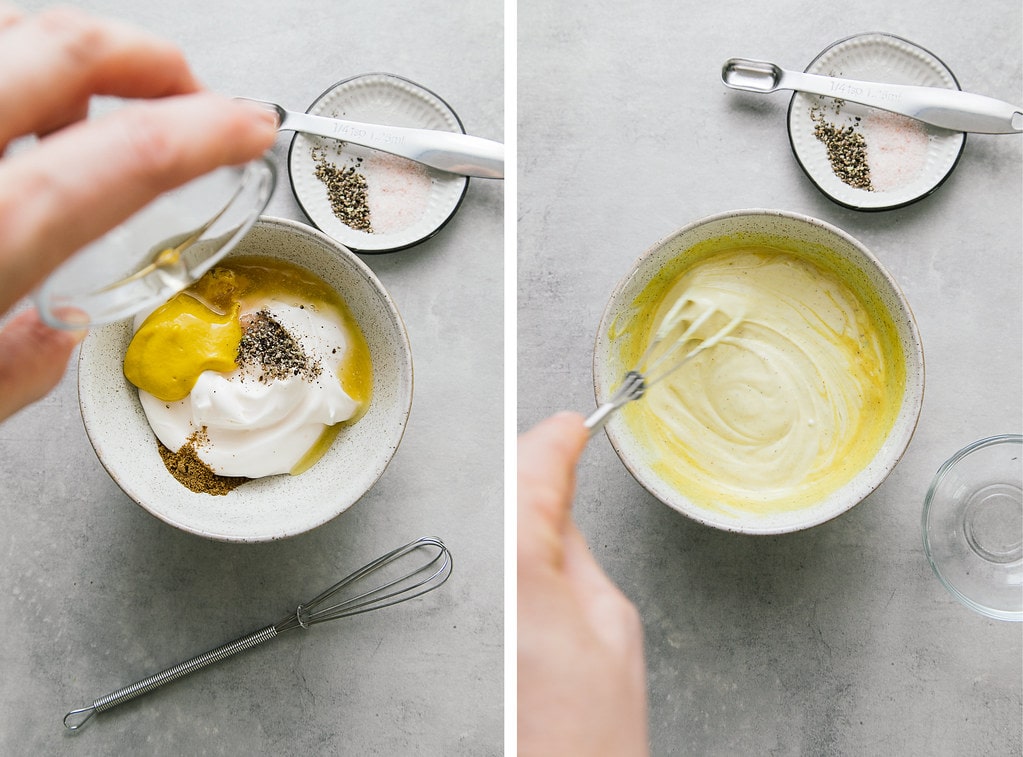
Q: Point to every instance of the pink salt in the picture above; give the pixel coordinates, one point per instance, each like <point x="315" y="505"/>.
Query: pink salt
<point x="896" y="149"/>
<point x="397" y="191"/>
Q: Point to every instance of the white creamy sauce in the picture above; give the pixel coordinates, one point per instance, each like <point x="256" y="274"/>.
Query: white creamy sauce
<point x="259" y="428"/>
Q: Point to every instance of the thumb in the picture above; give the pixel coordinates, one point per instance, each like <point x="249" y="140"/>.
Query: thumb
<point x="547" y="457"/>
<point x="32" y="360"/>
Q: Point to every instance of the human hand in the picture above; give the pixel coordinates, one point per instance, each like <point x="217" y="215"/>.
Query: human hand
<point x="581" y="677"/>
<point x="84" y="176"/>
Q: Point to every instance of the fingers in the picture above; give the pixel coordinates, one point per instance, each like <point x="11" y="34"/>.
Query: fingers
<point x="32" y="360"/>
<point x="80" y="182"/>
<point x="9" y="15"/>
<point x="613" y="618"/>
<point x="547" y="456"/>
<point x="55" y="60"/>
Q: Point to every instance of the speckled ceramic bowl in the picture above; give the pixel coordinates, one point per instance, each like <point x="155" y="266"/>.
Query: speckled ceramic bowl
<point x="786" y="231"/>
<point x="277" y="506"/>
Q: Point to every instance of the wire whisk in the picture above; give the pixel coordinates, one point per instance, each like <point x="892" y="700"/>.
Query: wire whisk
<point x="680" y="337"/>
<point x="411" y="571"/>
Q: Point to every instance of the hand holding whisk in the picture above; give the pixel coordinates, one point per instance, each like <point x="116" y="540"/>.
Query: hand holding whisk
<point x="680" y="337"/>
<point x="414" y="569"/>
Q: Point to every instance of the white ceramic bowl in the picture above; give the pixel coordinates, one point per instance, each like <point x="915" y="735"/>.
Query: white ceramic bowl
<point x="277" y="506"/>
<point x="784" y="230"/>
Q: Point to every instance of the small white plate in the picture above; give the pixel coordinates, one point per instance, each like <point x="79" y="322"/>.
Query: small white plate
<point x="277" y="506"/>
<point x="408" y="202"/>
<point x="908" y="159"/>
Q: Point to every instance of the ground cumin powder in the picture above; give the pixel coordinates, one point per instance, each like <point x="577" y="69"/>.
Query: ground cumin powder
<point x="192" y="472"/>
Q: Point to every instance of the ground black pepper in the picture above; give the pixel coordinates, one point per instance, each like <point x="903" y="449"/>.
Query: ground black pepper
<point x="847" y="150"/>
<point x="346" y="191"/>
<point x="267" y="347"/>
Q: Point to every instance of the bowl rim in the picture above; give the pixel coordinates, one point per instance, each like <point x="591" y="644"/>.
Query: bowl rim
<point x="908" y="416"/>
<point x="361" y="270"/>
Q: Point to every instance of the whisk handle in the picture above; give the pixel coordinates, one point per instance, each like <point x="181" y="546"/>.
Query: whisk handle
<point x="599" y="417"/>
<point x="77" y="718"/>
<point x="632" y="388"/>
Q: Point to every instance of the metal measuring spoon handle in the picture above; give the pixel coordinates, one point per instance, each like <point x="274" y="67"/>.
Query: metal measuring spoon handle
<point x="449" y="151"/>
<point x="947" y="108"/>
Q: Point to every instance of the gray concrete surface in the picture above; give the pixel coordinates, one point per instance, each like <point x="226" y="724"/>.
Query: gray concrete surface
<point x="838" y="640"/>
<point x="95" y="593"/>
<point x="835" y="641"/>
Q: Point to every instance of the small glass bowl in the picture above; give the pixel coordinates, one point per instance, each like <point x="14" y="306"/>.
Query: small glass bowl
<point x="973" y="526"/>
<point x="158" y="251"/>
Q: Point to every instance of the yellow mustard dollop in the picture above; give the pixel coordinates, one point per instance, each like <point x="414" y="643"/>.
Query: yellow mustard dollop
<point x="177" y="342"/>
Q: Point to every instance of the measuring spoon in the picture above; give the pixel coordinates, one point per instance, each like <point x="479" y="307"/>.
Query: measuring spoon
<point x="947" y="108"/>
<point x="444" y="150"/>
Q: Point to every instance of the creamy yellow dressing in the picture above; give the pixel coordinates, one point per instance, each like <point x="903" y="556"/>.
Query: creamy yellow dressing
<point x="789" y="406"/>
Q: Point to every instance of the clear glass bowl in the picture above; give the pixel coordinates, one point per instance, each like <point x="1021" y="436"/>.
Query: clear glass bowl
<point x="159" y="251"/>
<point x="973" y="526"/>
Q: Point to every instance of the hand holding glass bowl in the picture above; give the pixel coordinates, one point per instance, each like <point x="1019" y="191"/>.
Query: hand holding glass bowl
<point x="81" y="176"/>
<point x="159" y="251"/>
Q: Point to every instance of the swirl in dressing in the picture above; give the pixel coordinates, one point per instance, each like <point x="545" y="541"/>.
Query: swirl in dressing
<point x="790" y="405"/>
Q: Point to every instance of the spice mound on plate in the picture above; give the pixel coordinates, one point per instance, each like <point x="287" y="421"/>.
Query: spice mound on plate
<point x="847" y="151"/>
<point x="377" y="193"/>
<point x="250" y="372"/>
<point x="347" y="191"/>
<point x="876" y="152"/>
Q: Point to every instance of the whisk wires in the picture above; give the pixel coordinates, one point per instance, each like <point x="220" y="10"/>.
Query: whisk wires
<point x="667" y="353"/>
<point x="412" y="570"/>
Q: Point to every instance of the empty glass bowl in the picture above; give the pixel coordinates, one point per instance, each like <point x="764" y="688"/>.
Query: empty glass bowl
<point x="159" y="251"/>
<point x="973" y="526"/>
